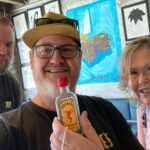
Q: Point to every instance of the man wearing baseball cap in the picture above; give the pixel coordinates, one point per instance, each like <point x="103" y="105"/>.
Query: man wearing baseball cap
<point x="56" y="52"/>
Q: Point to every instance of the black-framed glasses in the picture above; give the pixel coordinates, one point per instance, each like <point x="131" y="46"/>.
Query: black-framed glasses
<point x="47" y="51"/>
<point x="44" y="21"/>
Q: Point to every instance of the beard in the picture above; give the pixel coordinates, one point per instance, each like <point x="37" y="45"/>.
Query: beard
<point x="52" y="90"/>
<point x="47" y="89"/>
<point x="4" y="64"/>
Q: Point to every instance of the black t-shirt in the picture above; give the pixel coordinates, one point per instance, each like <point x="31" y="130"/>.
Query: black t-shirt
<point x="10" y="95"/>
<point x="30" y="126"/>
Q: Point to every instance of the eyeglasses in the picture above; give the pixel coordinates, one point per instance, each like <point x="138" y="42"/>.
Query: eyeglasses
<point x="47" y="51"/>
<point x="44" y="21"/>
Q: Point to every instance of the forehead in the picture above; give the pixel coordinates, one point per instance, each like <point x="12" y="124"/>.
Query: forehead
<point x="6" y="27"/>
<point x="140" y="56"/>
<point x="56" y="40"/>
<point x="6" y="31"/>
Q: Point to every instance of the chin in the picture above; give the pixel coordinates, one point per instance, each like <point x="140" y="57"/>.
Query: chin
<point x="51" y="88"/>
<point x="3" y="69"/>
<point x="146" y="102"/>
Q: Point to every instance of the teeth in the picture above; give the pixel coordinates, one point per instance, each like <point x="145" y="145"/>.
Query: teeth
<point x="53" y="71"/>
<point x="145" y="90"/>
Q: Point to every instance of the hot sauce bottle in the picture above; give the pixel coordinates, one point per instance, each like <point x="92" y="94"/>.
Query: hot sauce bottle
<point x="67" y="106"/>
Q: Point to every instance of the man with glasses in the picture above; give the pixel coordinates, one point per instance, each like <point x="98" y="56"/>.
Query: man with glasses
<point x="56" y="52"/>
<point x="10" y="94"/>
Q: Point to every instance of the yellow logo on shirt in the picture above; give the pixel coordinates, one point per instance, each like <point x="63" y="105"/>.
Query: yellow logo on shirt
<point x="106" y="140"/>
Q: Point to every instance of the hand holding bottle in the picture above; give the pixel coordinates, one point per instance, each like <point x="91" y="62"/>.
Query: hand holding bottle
<point x="75" y="141"/>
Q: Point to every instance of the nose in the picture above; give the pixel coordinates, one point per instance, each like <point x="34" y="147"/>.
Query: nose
<point x="56" y="57"/>
<point x="143" y="78"/>
<point x="3" y="49"/>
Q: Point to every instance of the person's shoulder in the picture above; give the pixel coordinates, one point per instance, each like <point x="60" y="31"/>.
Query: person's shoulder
<point x="10" y="116"/>
<point x="10" y="124"/>
<point x="94" y="100"/>
<point x="97" y="104"/>
<point x="13" y="117"/>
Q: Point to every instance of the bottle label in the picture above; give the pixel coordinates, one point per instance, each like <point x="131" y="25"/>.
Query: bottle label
<point x="68" y="114"/>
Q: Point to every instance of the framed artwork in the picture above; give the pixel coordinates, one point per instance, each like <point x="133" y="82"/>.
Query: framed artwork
<point x="101" y="47"/>
<point x="53" y="6"/>
<point x="28" y="80"/>
<point x="20" y="24"/>
<point x="32" y="14"/>
<point x="135" y="20"/>
<point x="23" y="52"/>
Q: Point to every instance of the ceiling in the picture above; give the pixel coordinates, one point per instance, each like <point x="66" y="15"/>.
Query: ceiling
<point x="7" y="5"/>
<point x="12" y="2"/>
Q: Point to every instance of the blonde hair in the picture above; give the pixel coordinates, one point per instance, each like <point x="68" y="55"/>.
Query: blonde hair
<point x="143" y="42"/>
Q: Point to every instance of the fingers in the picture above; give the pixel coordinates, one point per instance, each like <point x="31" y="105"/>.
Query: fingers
<point x="74" y="140"/>
<point x="56" y="138"/>
<point x="55" y="142"/>
<point x="88" y="130"/>
<point x="58" y="128"/>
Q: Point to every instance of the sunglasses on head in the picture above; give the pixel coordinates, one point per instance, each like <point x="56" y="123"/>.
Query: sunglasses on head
<point x="44" y="21"/>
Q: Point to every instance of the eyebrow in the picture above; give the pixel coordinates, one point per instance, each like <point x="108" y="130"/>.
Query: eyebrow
<point x="146" y="65"/>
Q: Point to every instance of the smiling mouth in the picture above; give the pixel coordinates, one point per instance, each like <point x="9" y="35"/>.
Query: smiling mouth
<point x="56" y="70"/>
<point x="145" y="90"/>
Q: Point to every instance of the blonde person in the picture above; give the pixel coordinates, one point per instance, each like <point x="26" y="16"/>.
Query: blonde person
<point x="56" y="52"/>
<point x="135" y="78"/>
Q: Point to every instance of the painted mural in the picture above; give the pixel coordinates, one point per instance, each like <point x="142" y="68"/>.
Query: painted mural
<point x="101" y="42"/>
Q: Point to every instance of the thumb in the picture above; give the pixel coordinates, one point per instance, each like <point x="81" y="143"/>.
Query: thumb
<point x="88" y="130"/>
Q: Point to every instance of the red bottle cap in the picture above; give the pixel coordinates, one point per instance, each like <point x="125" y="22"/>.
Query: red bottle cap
<point x="63" y="81"/>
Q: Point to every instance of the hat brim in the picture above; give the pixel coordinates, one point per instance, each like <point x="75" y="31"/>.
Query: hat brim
<point x="31" y="36"/>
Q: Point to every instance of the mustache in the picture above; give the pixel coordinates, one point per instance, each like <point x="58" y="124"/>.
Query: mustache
<point x="60" y="65"/>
